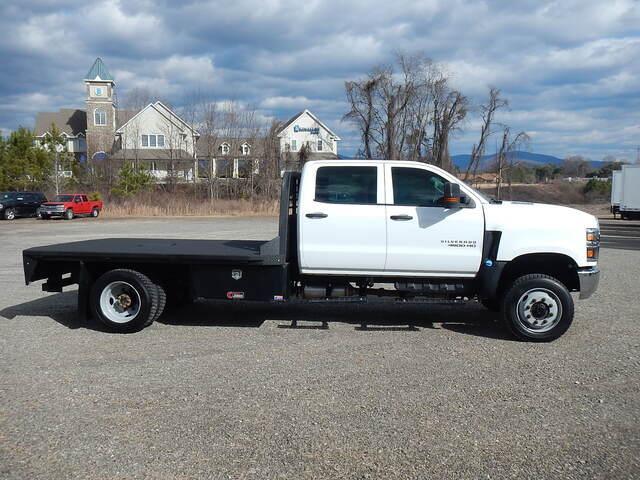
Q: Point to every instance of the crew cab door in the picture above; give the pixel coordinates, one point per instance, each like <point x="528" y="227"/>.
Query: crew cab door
<point x="424" y="237"/>
<point x="341" y="219"/>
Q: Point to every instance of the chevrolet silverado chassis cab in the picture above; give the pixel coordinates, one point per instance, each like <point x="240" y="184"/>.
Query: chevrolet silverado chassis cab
<point x="352" y="231"/>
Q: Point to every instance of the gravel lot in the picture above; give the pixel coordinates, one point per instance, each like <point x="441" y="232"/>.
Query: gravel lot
<point x="227" y="391"/>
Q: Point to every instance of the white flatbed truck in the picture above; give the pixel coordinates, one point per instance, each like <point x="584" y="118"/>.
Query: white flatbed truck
<point x="347" y="226"/>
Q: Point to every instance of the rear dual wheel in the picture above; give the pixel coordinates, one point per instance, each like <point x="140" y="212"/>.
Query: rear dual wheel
<point x="126" y="300"/>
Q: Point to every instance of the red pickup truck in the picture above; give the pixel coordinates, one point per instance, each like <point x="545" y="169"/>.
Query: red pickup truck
<point x="68" y="206"/>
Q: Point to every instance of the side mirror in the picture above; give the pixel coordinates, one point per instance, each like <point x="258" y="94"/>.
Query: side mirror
<point x="451" y="198"/>
<point x="77" y="200"/>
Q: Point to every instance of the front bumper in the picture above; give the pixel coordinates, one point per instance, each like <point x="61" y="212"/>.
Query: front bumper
<point x="589" y="279"/>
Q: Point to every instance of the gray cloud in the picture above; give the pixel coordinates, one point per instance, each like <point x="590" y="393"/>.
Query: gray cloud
<point x="570" y="68"/>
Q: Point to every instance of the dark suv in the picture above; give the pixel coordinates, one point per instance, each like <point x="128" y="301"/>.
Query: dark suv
<point x="20" y="204"/>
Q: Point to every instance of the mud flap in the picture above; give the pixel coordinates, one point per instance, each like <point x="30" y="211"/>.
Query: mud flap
<point x="85" y="280"/>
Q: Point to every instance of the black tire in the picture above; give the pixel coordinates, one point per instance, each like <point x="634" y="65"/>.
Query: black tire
<point x="95" y="212"/>
<point x="162" y="301"/>
<point x="146" y="291"/>
<point x="493" y="304"/>
<point x="68" y="214"/>
<point x="9" y="214"/>
<point x="543" y="294"/>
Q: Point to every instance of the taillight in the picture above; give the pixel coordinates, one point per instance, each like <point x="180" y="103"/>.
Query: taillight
<point x="593" y="244"/>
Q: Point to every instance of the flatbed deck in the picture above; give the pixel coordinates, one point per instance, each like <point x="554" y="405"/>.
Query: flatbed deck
<point x="261" y="252"/>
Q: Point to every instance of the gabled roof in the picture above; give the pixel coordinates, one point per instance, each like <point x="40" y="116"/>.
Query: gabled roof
<point x="298" y="115"/>
<point x="71" y="121"/>
<point x="163" y="110"/>
<point x="98" y="71"/>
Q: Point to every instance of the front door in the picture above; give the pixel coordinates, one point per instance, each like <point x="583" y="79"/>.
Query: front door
<point x="423" y="237"/>
<point x="341" y="222"/>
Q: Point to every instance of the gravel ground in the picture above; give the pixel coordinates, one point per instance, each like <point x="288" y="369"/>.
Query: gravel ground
<point x="228" y="391"/>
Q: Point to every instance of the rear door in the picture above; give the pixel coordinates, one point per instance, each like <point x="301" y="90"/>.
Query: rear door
<point x="341" y="221"/>
<point x="22" y="207"/>
<point x="86" y="204"/>
<point x="31" y="204"/>
<point x="423" y="237"/>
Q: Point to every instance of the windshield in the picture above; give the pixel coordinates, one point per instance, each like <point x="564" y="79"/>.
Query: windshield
<point x="8" y="195"/>
<point x="477" y="192"/>
<point x="64" y="198"/>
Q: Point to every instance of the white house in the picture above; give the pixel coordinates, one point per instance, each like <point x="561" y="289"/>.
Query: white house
<point x="305" y="129"/>
<point x="161" y="140"/>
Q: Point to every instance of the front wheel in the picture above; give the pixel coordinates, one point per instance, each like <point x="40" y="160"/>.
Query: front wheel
<point x="125" y="300"/>
<point x="68" y="215"/>
<point x="9" y="214"/>
<point x="537" y="308"/>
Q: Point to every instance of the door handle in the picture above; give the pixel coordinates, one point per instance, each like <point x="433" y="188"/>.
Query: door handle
<point x="401" y="218"/>
<point x="316" y="215"/>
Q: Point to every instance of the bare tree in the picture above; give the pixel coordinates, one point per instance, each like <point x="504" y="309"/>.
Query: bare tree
<point x="450" y="107"/>
<point x="395" y="106"/>
<point x="507" y="147"/>
<point x="488" y="110"/>
<point x="361" y="96"/>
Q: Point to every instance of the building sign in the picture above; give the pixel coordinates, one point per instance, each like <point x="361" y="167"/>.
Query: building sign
<point x="311" y="130"/>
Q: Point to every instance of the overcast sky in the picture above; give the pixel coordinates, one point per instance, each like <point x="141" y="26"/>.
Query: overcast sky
<point x="570" y="69"/>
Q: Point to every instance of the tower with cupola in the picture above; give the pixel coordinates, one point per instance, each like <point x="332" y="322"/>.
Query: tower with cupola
<point x="101" y="110"/>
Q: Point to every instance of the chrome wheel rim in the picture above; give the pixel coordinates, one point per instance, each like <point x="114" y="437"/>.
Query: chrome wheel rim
<point x="94" y="212"/>
<point x="539" y="310"/>
<point x="120" y="302"/>
<point x="11" y="214"/>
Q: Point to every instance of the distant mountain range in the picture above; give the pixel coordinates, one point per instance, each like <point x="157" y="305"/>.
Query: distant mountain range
<point x="530" y="158"/>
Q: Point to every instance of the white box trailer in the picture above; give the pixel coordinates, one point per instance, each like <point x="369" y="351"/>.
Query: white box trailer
<point x="630" y="197"/>
<point x="616" y="191"/>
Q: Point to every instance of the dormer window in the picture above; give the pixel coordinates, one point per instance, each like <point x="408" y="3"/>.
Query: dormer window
<point x="246" y="149"/>
<point x="99" y="117"/>
<point x="225" y="148"/>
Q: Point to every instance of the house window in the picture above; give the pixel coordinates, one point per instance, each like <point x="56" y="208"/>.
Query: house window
<point x="320" y="145"/>
<point x="294" y="145"/>
<point x="224" y="148"/>
<point x="153" y="141"/>
<point x="99" y="117"/>
<point x="246" y="149"/>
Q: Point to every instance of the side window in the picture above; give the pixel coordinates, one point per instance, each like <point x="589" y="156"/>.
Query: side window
<point x="77" y="198"/>
<point x="351" y="185"/>
<point x="417" y="187"/>
<point x="84" y="198"/>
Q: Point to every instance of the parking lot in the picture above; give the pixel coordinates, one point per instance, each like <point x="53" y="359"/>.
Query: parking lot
<point x="230" y="391"/>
